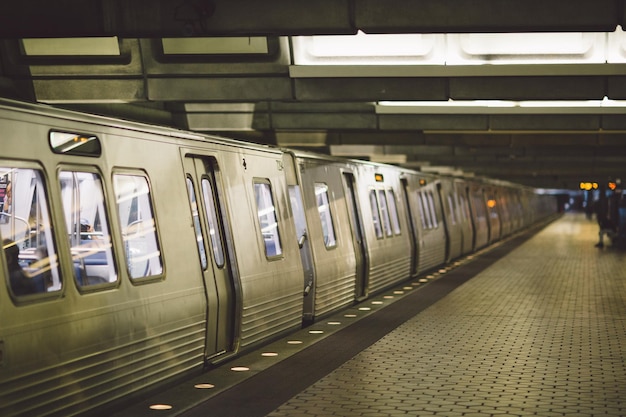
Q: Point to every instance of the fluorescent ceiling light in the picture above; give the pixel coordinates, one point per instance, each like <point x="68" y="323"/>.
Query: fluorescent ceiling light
<point x="606" y="102"/>
<point x="462" y="48"/>
<point x="362" y="45"/>
<point x="605" y="106"/>
<point x="450" y="103"/>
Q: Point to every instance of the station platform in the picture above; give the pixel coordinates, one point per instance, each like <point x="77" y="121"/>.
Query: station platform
<point x="534" y="325"/>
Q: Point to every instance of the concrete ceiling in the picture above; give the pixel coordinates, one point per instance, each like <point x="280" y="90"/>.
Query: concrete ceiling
<point x="265" y="96"/>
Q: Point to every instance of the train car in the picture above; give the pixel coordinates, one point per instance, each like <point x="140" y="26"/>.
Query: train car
<point x="388" y="235"/>
<point x="455" y="225"/>
<point x="328" y="226"/>
<point x="505" y="202"/>
<point x="428" y="218"/>
<point x="490" y="192"/>
<point x="134" y="255"/>
<point x="92" y="311"/>
<point x="241" y="214"/>
<point x="478" y="212"/>
<point x="464" y="216"/>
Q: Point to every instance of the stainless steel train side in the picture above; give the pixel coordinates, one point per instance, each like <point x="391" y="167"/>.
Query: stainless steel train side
<point x="187" y="257"/>
<point x="387" y="234"/>
<point x="453" y="224"/>
<point x="84" y="339"/>
<point x="251" y="191"/>
<point x="480" y="217"/>
<point x="428" y="218"/>
<point x="318" y="192"/>
<point x="464" y="215"/>
<point x="135" y="254"/>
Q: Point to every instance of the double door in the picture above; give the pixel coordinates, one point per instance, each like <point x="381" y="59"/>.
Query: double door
<point x="212" y="234"/>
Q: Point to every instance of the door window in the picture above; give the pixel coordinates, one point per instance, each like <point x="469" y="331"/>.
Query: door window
<point x="196" y="223"/>
<point x="375" y="215"/>
<point x="393" y="211"/>
<point x="323" y="208"/>
<point x="211" y="215"/>
<point x="266" y="212"/>
<point x="452" y="209"/>
<point x="384" y="212"/>
<point x="433" y="211"/>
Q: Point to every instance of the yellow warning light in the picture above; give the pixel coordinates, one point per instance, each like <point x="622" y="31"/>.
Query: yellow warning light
<point x="588" y="186"/>
<point x="379" y="177"/>
<point x="612" y="185"/>
<point x="422" y="182"/>
<point x="491" y="203"/>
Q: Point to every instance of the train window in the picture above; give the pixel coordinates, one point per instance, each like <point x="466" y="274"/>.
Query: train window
<point x="323" y="207"/>
<point x="87" y="228"/>
<point x="134" y="208"/>
<point x="384" y="212"/>
<point x="463" y="207"/>
<point x="393" y="211"/>
<point x="266" y="212"/>
<point x="420" y="207"/>
<point x="299" y="219"/>
<point x="375" y="216"/>
<point x="432" y="209"/>
<point x="452" y="210"/>
<point x="504" y="212"/>
<point x="211" y="215"/>
<point x="27" y="233"/>
<point x="479" y="206"/>
<point x="196" y="223"/>
<point x="517" y="208"/>
<point x="75" y="144"/>
<point x="428" y="215"/>
<point x="491" y="207"/>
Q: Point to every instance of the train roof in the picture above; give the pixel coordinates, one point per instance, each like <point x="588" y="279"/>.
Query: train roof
<point x="107" y="121"/>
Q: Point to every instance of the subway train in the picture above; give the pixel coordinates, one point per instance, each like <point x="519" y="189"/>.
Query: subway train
<point x="135" y="255"/>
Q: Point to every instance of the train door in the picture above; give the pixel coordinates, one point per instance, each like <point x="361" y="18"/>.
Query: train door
<point x="360" y="252"/>
<point x="205" y="195"/>
<point x="297" y="207"/>
<point x="410" y="219"/>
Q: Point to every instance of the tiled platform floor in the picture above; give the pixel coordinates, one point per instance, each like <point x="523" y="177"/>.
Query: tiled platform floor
<point x="540" y="332"/>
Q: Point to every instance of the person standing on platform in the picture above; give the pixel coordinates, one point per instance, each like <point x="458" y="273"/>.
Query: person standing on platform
<point x="601" y="208"/>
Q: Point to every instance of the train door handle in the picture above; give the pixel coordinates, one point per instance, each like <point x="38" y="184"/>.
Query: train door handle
<point x="301" y="240"/>
<point x="308" y="287"/>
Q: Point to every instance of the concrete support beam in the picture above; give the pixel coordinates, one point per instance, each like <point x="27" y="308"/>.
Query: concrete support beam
<point x="167" y="18"/>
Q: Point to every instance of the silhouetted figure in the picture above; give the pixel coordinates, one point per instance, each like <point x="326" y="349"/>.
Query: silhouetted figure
<point x="20" y="283"/>
<point x="604" y="223"/>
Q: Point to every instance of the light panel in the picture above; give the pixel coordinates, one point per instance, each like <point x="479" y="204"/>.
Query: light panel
<point x="462" y="49"/>
<point x="605" y="106"/>
<point x="103" y="46"/>
<point x="215" y="46"/>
